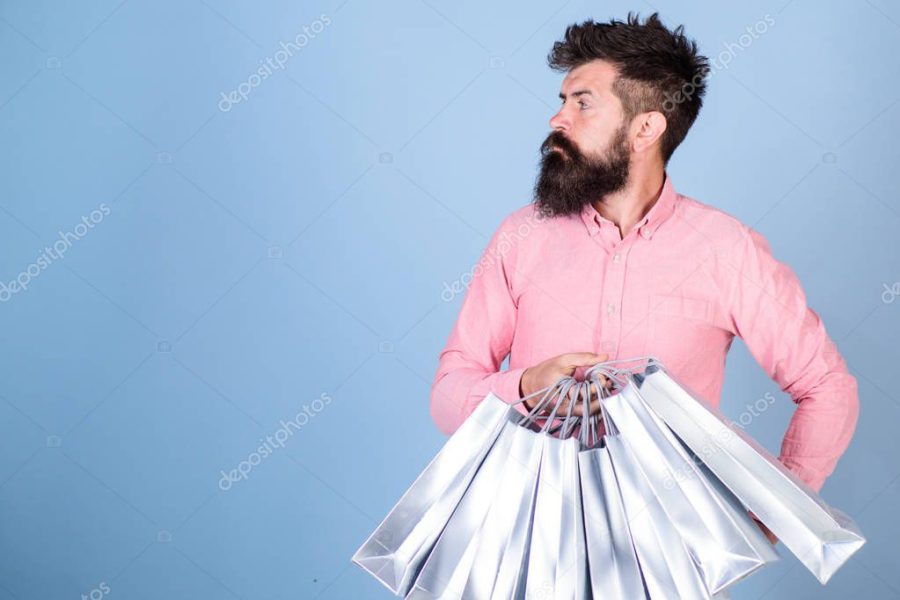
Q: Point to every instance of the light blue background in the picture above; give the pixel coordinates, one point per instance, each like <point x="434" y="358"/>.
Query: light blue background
<point x="298" y="244"/>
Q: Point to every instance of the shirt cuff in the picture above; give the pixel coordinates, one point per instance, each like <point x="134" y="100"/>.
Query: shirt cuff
<point x="506" y="387"/>
<point x="809" y="476"/>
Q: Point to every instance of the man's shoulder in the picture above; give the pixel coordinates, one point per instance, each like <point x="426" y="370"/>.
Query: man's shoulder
<point x="524" y="215"/>
<point x="715" y="223"/>
<point x="526" y="221"/>
<point x="529" y="216"/>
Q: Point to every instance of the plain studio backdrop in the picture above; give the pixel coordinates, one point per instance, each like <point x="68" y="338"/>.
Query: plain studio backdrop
<point x="227" y="232"/>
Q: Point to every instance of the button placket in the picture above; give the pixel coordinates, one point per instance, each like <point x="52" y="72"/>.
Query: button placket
<point x="611" y="300"/>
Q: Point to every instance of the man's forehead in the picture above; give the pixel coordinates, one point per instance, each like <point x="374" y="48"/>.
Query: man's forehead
<point x="597" y="76"/>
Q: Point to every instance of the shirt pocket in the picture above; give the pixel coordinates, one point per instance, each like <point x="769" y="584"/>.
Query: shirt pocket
<point x="680" y="330"/>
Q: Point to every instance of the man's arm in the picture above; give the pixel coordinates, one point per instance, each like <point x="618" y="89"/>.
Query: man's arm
<point x="468" y="366"/>
<point x="768" y="310"/>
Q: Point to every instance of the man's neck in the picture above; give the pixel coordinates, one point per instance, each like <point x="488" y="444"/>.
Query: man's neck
<point x="628" y="206"/>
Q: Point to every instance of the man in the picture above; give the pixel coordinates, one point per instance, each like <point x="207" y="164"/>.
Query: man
<point x="609" y="261"/>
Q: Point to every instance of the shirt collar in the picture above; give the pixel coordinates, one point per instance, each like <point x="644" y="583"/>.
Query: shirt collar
<point x="659" y="212"/>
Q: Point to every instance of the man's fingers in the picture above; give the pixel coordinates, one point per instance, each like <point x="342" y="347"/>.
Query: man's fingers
<point x="576" y="395"/>
<point x="578" y="409"/>
<point x="571" y="396"/>
<point x="606" y="383"/>
<point x="593" y="402"/>
<point x="581" y="359"/>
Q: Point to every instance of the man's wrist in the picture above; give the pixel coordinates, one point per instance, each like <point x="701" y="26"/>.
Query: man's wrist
<point x="526" y="403"/>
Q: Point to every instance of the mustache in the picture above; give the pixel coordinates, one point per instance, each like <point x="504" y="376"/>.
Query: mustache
<point x="558" y="139"/>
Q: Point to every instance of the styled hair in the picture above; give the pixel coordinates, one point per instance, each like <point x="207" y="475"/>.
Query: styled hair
<point x="658" y="69"/>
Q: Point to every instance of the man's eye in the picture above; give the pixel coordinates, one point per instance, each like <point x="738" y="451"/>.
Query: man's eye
<point x="582" y="105"/>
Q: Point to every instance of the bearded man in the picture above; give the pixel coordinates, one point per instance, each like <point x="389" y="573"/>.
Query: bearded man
<point x="610" y="261"/>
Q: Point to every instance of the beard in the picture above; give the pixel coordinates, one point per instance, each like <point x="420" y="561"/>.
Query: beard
<point x="569" y="179"/>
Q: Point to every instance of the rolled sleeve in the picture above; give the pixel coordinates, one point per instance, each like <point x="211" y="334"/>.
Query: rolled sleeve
<point x="769" y="311"/>
<point x="469" y="364"/>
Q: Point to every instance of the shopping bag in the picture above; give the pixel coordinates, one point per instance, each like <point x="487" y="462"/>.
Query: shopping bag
<point x="822" y="537"/>
<point x="395" y="551"/>
<point x="720" y="536"/>
<point x="511" y="572"/>
<point x="452" y="569"/>
<point x="557" y="560"/>
<point x="612" y="562"/>
<point x="668" y="570"/>
<point x="498" y="570"/>
<point x="446" y="571"/>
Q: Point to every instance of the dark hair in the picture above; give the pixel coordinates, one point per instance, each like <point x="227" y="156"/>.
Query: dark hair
<point x="658" y="69"/>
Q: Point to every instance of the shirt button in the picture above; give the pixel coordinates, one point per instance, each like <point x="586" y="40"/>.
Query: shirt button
<point x="617" y="257"/>
<point x="610" y="308"/>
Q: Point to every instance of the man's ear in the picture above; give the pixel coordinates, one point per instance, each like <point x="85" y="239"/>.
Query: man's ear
<point x="650" y="126"/>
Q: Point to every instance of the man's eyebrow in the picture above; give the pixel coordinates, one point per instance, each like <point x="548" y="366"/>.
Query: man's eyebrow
<point x="577" y="93"/>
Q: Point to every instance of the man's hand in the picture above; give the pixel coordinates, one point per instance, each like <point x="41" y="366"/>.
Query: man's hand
<point x="768" y="532"/>
<point x="550" y="371"/>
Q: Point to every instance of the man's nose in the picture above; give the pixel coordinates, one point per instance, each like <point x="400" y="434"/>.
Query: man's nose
<point x="560" y="121"/>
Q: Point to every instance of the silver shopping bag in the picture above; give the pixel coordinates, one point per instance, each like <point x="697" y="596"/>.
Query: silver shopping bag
<point x="446" y="570"/>
<point x="483" y="548"/>
<point x="668" y="570"/>
<point x="557" y="559"/>
<point x="822" y="537"/>
<point x="612" y="562"/>
<point x="498" y="570"/>
<point x="557" y="562"/>
<point x="397" y="548"/>
<point x="719" y="535"/>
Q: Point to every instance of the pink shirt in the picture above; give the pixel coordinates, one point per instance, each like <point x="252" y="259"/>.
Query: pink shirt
<point x="684" y="281"/>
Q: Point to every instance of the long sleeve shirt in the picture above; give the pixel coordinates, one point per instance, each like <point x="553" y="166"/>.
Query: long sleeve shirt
<point x="680" y="286"/>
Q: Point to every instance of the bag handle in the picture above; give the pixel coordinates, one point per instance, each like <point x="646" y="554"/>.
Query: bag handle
<point x="609" y="368"/>
<point x="603" y="415"/>
<point x="605" y="366"/>
<point x="555" y="392"/>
